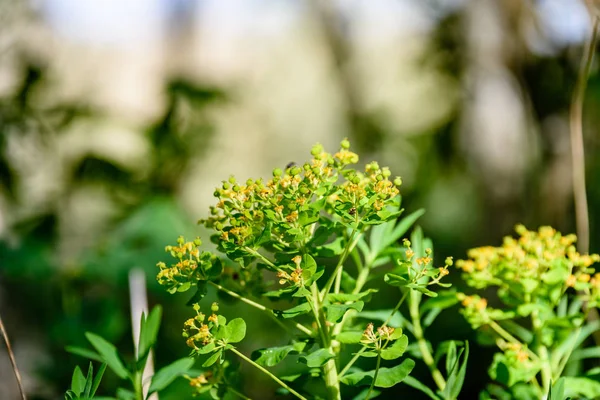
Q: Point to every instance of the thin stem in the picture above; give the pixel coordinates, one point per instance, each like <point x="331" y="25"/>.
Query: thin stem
<point x="263" y="258"/>
<point x="352" y="361"/>
<point x="374" y="377"/>
<point x="415" y="316"/>
<point x="577" y="147"/>
<point x="507" y="336"/>
<point x="13" y="361"/>
<point x="254" y="304"/>
<point x="276" y="379"/>
<point x="238" y="394"/>
<point x="338" y="268"/>
<point x="396" y="308"/>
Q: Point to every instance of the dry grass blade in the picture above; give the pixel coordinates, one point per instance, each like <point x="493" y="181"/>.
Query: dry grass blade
<point x="11" y="355"/>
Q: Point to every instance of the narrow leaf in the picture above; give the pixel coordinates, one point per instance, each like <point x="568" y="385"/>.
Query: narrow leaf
<point x="109" y="354"/>
<point x="168" y="374"/>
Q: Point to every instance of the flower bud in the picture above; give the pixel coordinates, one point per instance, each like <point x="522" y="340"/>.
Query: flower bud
<point x="345" y="144"/>
<point x="277" y="172"/>
<point x="214" y="307"/>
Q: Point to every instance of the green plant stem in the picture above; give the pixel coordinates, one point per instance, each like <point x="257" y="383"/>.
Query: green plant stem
<point x="374" y="377"/>
<point x="330" y="374"/>
<point x="137" y="386"/>
<point x="415" y="316"/>
<point x="13" y="361"/>
<point x="396" y="308"/>
<point x="254" y="304"/>
<point x="238" y="394"/>
<point x="352" y="361"/>
<point x="507" y="336"/>
<point x="543" y="353"/>
<point x="339" y="267"/>
<point x="577" y="145"/>
<point x="276" y="379"/>
<point x="263" y="258"/>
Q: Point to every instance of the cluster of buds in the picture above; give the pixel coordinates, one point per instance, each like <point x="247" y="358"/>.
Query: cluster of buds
<point x="282" y="210"/>
<point x="425" y="266"/>
<point x="191" y="265"/>
<point x="198" y="330"/>
<point x="378" y="339"/>
<point x="475" y="309"/>
<point x="295" y="277"/>
<point x="535" y="257"/>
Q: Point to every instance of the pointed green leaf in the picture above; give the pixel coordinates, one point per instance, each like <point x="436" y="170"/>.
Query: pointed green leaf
<point x="317" y="358"/>
<point x="349" y="337"/>
<point x="148" y="332"/>
<point x="272" y="356"/>
<point x="88" y="381"/>
<point x="80" y="351"/>
<point x="335" y="312"/>
<point x="168" y="374"/>
<point x="109" y="354"/>
<point x="300" y="309"/>
<point x="98" y="379"/>
<point x="456" y="376"/>
<point x="387" y="377"/>
<point x="212" y="359"/>
<point x="410" y="381"/>
<point x="77" y="382"/>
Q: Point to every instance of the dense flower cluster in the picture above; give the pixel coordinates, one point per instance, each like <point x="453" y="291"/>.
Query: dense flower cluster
<point x="540" y="264"/>
<point x="192" y="265"/>
<point x="281" y="213"/>
<point x="199" y="330"/>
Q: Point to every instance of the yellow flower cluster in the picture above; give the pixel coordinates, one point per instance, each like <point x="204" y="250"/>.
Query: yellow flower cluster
<point x="377" y="339"/>
<point x="196" y="331"/>
<point x="531" y="259"/>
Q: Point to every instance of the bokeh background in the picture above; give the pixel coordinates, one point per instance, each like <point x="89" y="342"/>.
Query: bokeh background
<point x="118" y="117"/>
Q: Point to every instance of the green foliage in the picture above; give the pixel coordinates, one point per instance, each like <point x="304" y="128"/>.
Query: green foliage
<point x="546" y="290"/>
<point x="106" y="352"/>
<point x="325" y="230"/>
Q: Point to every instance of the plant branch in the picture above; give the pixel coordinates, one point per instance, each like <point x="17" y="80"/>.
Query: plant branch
<point x="276" y="379"/>
<point x="374" y="377"/>
<point x="13" y="361"/>
<point x="577" y="146"/>
<point x="415" y="316"/>
<point x="259" y="306"/>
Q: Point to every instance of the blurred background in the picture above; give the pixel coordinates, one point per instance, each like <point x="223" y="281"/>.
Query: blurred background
<point x="119" y="117"/>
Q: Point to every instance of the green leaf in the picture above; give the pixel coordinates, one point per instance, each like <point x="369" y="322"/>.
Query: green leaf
<point x="77" y="382"/>
<point x="168" y="374"/>
<point x="346" y="297"/>
<point x="148" y="331"/>
<point x="201" y="291"/>
<point x="456" y="377"/>
<point x="575" y="386"/>
<point x="395" y="280"/>
<point x="300" y="309"/>
<point x="382" y="315"/>
<point x="88" y="381"/>
<point x="557" y="391"/>
<point x="422" y="289"/>
<point x="264" y="237"/>
<point x="396" y="349"/>
<point x="335" y="312"/>
<point x="80" y="351"/>
<point x="109" y="354"/>
<point x="349" y="337"/>
<point x="212" y="359"/>
<point x="124" y="394"/>
<point x="387" y="377"/>
<point x="363" y="395"/>
<point x="316" y="358"/>
<point x="98" y="379"/>
<point x="412" y="382"/>
<point x="445" y="299"/>
<point x="237" y="330"/>
<point x="271" y="356"/>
